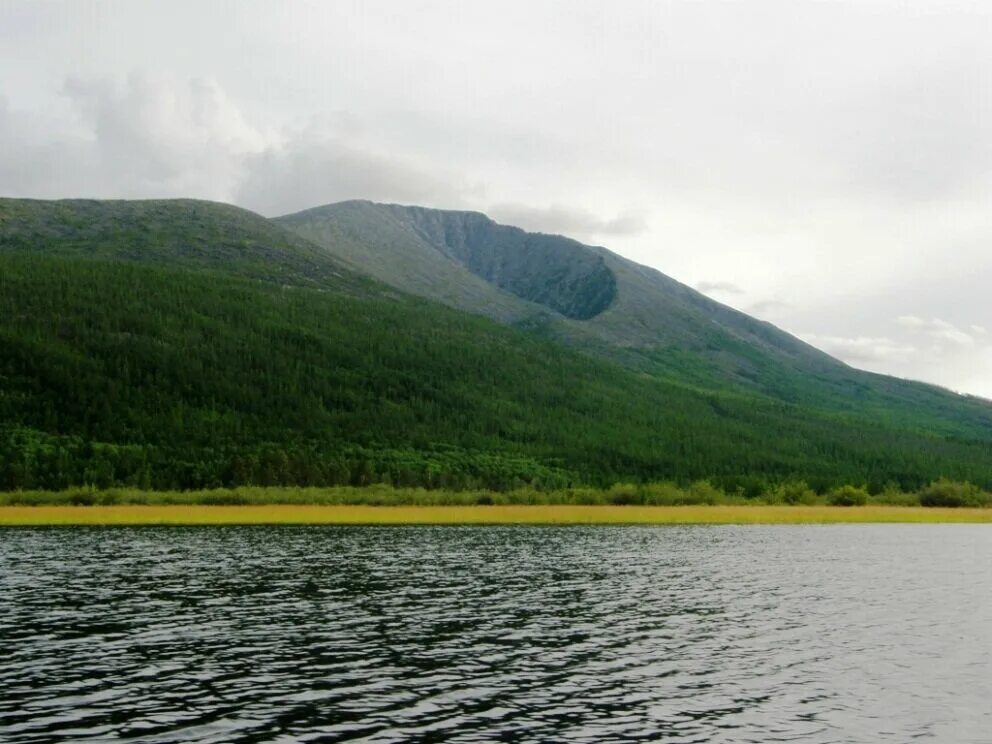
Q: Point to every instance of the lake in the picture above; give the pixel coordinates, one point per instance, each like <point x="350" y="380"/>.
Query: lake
<point x="865" y="633"/>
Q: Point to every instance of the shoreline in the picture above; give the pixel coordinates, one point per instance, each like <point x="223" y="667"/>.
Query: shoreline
<point x="306" y="514"/>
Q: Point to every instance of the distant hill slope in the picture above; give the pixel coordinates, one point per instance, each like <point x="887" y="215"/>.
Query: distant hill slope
<point x="475" y="264"/>
<point x="181" y="232"/>
<point x="189" y="344"/>
<point x="599" y="301"/>
<point x="378" y="241"/>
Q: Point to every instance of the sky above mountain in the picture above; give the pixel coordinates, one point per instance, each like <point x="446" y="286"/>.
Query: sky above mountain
<point x="824" y="166"/>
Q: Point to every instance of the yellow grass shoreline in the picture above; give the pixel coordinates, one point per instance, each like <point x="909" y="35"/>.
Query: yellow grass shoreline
<point x="11" y="516"/>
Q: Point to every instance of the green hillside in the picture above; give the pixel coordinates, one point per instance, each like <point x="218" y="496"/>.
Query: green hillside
<point x="126" y="362"/>
<point x="619" y="310"/>
<point x="185" y="232"/>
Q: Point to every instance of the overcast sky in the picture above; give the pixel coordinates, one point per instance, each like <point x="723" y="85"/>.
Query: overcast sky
<point x="824" y="166"/>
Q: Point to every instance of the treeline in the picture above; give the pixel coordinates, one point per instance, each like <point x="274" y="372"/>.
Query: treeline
<point x="32" y="460"/>
<point x="941" y="493"/>
<point x="152" y="377"/>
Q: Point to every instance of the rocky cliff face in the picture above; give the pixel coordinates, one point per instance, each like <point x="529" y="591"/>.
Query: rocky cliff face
<point x="549" y="270"/>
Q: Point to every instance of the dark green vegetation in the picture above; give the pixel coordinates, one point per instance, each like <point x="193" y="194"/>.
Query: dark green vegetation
<point x="700" y="493"/>
<point x="193" y="234"/>
<point x="178" y="345"/>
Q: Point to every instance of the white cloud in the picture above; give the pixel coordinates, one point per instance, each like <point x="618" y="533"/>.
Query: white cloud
<point x="149" y="137"/>
<point x="564" y="220"/>
<point x="941" y="329"/>
<point x="312" y="168"/>
<point x="935" y="350"/>
<point x="145" y="137"/>
<point x="763" y="308"/>
<point x="719" y="288"/>
<point x="862" y="350"/>
<point x="160" y="136"/>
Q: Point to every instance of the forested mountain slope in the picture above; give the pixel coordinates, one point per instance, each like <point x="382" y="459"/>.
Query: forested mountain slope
<point x="190" y="233"/>
<point x="129" y="361"/>
<point x="620" y="310"/>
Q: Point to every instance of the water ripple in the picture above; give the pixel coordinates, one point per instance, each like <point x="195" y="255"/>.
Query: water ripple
<point x="421" y="634"/>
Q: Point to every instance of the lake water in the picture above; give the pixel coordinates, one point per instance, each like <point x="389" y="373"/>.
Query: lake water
<point x="678" y="634"/>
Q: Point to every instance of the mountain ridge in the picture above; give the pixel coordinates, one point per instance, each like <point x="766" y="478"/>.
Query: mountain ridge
<point x="192" y="232"/>
<point x="645" y="308"/>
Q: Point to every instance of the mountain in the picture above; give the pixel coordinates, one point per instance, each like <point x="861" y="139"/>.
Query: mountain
<point x="583" y="292"/>
<point x="170" y="232"/>
<point x="182" y="344"/>
<point x="598" y="301"/>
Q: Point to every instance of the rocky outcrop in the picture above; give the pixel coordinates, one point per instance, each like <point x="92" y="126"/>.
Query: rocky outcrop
<point x="550" y="270"/>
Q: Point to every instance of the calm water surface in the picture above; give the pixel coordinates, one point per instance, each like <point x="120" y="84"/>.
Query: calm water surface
<point x="695" y="634"/>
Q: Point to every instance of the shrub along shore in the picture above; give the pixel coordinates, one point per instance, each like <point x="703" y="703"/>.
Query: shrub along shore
<point x="941" y="493"/>
<point x="700" y="502"/>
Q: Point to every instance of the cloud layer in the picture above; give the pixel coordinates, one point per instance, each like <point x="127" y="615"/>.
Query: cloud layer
<point x="563" y="220"/>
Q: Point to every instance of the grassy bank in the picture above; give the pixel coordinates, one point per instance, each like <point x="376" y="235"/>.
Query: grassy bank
<point x="186" y="514"/>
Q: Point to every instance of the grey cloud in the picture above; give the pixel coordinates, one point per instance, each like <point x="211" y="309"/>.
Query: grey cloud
<point x="20" y="166"/>
<point x="719" y="287"/>
<point x="763" y="307"/>
<point x="564" y="220"/>
<point x="935" y="350"/>
<point x="942" y="330"/>
<point x="37" y="159"/>
<point x="163" y="137"/>
<point x="862" y="349"/>
<point x="157" y="137"/>
<point x="923" y="135"/>
<point x="145" y="138"/>
<point x="313" y="169"/>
